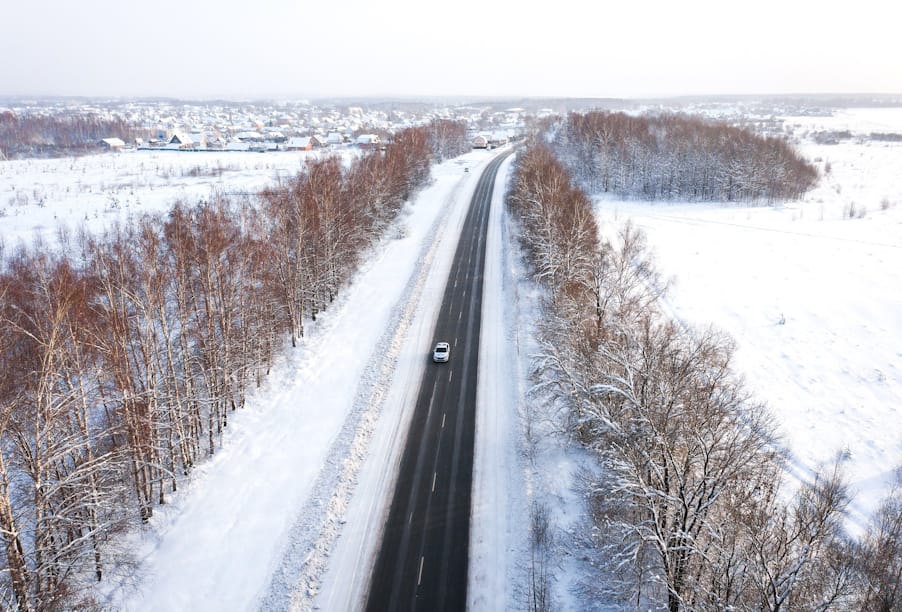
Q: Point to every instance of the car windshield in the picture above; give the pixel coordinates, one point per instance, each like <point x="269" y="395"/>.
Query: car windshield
<point x="441" y="349"/>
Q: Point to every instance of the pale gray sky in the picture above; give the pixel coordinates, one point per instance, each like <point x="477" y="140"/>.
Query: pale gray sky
<point x="298" y="48"/>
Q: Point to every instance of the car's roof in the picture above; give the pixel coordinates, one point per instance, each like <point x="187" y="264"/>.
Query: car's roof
<point x="445" y="344"/>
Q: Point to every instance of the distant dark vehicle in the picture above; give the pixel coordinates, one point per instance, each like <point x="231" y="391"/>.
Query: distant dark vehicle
<point x="441" y="353"/>
<point x="466" y="169"/>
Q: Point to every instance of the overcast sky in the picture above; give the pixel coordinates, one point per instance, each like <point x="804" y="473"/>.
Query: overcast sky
<point x="298" y="48"/>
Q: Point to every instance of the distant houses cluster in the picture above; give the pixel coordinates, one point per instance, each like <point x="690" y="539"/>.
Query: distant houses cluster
<point x="262" y="141"/>
<point x="248" y="141"/>
<point x="37" y="128"/>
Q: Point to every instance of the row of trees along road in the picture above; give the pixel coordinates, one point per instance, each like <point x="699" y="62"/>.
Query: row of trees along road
<point x="687" y="506"/>
<point x="123" y="360"/>
<point x="676" y="157"/>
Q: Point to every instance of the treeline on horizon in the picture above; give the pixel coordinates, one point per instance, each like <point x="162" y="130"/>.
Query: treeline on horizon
<point x="35" y="135"/>
<point x="124" y="354"/>
<point x="677" y="157"/>
<point x="685" y="502"/>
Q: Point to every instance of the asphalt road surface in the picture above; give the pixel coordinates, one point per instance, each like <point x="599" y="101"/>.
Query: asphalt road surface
<point x="422" y="564"/>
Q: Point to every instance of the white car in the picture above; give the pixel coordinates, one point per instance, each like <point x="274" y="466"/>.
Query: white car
<point x="441" y="353"/>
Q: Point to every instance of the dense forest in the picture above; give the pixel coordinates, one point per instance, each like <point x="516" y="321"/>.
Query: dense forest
<point x="675" y="157"/>
<point x="39" y="135"/>
<point x="124" y="356"/>
<point x="687" y="504"/>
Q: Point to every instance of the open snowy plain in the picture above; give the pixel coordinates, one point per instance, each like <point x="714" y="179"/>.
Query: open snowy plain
<point x="287" y="515"/>
<point x="812" y="293"/>
<point x="39" y="195"/>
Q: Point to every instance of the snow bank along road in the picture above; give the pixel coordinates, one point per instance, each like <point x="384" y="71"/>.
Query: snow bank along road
<point x="422" y="563"/>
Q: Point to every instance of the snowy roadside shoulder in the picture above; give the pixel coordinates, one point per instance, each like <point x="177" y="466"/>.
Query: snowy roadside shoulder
<point x="498" y="529"/>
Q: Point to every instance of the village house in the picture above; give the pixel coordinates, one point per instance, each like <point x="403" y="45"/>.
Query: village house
<point x="303" y="143"/>
<point x="274" y="135"/>
<point x="215" y="141"/>
<point x="368" y="141"/>
<point x="249" y="136"/>
<point x="112" y="144"/>
<point x="181" y="141"/>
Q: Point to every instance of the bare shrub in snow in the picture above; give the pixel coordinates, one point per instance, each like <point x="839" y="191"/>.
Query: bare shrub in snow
<point x="851" y="211"/>
<point x="795" y="553"/>
<point x="540" y="560"/>
<point x="879" y="556"/>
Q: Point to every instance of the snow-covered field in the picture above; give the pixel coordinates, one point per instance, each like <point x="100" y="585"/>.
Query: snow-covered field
<point x="287" y="514"/>
<point x="858" y="121"/>
<point x="812" y="297"/>
<point x="38" y="195"/>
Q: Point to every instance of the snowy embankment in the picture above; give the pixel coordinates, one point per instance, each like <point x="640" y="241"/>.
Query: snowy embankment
<point x="812" y="298"/>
